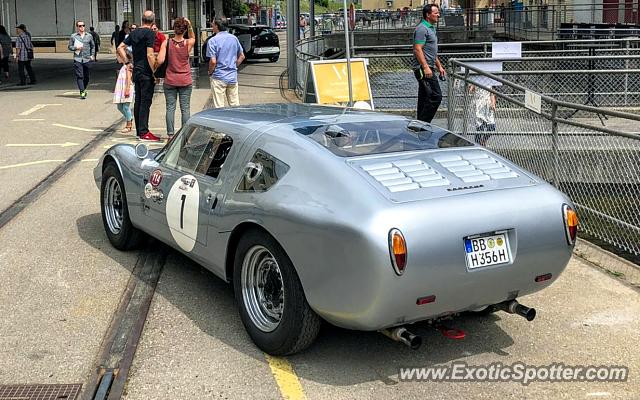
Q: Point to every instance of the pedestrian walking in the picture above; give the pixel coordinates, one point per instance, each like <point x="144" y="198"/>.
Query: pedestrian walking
<point x="144" y="64"/>
<point x="114" y="36"/>
<point x="83" y="48"/>
<point x="177" y="80"/>
<point x="226" y="55"/>
<point x="485" y="107"/>
<point x="425" y="62"/>
<point x="96" y="41"/>
<point x="5" y="51"/>
<point x="302" y="25"/>
<point x="124" y="32"/>
<point x="124" y="91"/>
<point x="24" y="55"/>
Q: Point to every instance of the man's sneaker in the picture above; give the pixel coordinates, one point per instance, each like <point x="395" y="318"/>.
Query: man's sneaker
<point x="83" y="94"/>
<point x="150" y="136"/>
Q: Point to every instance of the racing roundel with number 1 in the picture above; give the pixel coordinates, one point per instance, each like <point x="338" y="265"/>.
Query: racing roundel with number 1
<point x="182" y="211"/>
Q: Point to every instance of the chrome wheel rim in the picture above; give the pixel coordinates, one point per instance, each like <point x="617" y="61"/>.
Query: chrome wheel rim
<point x="262" y="288"/>
<point x="113" y="205"/>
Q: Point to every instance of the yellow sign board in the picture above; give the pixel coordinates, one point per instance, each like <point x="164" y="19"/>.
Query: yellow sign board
<point x="330" y="81"/>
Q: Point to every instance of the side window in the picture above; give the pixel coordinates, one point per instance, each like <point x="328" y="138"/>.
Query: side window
<point x="188" y="149"/>
<point x="215" y="154"/>
<point x="261" y="173"/>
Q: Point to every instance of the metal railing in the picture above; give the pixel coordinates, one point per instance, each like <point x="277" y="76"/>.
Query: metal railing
<point x="564" y="142"/>
<point x="394" y="86"/>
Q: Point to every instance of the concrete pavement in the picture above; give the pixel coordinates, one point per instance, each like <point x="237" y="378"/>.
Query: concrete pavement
<point x="62" y="282"/>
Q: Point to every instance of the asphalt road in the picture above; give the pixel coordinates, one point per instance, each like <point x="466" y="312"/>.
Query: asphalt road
<point x="62" y="282"/>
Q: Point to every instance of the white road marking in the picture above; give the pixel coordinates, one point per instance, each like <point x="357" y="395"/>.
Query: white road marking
<point x="36" y="108"/>
<point x="77" y="128"/>
<point x="30" y="163"/>
<point x="70" y="93"/>
<point x="27" y="119"/>
<point x="90" y="160"/>
<point x="268" y="92"/>
<point x="67" y="144"/>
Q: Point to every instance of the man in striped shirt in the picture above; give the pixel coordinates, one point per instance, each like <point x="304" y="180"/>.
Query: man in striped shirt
<point x="24" y="55"/>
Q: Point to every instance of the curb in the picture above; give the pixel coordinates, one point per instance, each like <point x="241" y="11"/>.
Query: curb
<point x="610" y="263"/>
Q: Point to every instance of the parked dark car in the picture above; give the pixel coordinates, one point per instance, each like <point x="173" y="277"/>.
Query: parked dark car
<point x="258" y="41"/>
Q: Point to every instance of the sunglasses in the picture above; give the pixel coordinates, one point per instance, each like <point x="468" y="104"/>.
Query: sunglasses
<point x="80" y="26"/>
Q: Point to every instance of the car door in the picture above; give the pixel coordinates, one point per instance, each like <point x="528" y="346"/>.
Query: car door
<point x="176" y="195"/>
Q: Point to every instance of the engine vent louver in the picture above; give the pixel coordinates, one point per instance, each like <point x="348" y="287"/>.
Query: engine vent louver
<point x="413" y="174"/>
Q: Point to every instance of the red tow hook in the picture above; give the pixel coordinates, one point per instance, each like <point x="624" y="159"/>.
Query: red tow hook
<point x="450" y="333"/>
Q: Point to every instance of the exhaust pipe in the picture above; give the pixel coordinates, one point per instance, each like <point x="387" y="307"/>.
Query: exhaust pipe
<point x="401" y="334"/>
<point x="513" y="307"/>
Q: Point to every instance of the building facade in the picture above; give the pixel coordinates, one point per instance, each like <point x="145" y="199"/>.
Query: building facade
<point x="56" y="18"/>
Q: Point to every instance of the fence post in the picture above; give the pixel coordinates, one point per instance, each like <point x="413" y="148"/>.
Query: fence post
<point x="484" y="50"/>
<point x="626" y="75"/>
<point x="554" y="146"/>
<point x="465" y="96"/>
<point x="450" y="99"/>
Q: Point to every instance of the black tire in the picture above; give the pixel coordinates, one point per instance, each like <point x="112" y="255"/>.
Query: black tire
<point x="274" y="58"/>
<point x="127" y="237"/>
<point x="299" y="324"/>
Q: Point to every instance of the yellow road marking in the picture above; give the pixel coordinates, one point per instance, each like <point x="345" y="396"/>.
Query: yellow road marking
<point x="30" y="163"/>
<point x="77" y="128"/>
<point x="67" y="144"/>
<point x="36" y="108"/>
<point x="90" y="160"/>
<point x="27" y="119"/>
<point x="286" y="378"/>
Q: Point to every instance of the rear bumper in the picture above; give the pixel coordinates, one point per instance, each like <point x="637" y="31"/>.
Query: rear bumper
<point x="261" y="52"/>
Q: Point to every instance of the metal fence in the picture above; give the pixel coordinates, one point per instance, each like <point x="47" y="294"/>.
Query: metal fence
<point x="582" y="79"/>
<point x="565" y="143"/>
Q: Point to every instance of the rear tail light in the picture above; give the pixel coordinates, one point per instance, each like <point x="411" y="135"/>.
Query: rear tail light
<point x="570" y="223"/>
<point x="397" y="251"/>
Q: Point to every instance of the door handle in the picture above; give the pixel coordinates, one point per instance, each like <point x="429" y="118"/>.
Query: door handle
<point x="209" y="197"/>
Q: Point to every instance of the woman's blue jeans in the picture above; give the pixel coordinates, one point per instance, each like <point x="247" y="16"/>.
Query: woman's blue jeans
<point x="125" y="109"/>
<point x="171" y="94"/>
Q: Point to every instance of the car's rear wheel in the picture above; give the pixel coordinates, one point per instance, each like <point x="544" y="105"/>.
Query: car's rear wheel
<point x="273" y="307"/>
<point x="115" y="214"/>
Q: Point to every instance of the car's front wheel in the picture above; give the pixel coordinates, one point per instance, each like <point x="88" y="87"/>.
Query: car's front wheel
<point x="115" y="214"/>
<point x="273" y="307"/>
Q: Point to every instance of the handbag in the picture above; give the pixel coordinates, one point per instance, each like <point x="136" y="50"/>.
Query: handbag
<point x="161" y="71"/>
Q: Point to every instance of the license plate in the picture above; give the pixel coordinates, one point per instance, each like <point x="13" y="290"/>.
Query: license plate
<point x="266" y="50"/>
<point x="487" y="250"/>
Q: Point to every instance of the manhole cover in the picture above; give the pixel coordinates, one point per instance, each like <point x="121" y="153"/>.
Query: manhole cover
<point x="40" y="392"/>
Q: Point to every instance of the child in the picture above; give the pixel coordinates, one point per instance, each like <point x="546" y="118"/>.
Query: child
<point x="123" y="94"/>
<point x="485" y="107"/>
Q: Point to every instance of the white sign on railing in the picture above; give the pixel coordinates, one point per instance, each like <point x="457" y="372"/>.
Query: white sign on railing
<point x="533" y="101"/>
<point x="501" y="50"/>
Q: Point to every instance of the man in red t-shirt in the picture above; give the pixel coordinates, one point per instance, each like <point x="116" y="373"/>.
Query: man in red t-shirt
<point x="160" y="37"/>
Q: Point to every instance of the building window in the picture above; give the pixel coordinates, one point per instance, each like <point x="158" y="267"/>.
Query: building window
<point x="172" y="12"/>
<point x="104" y="10"/>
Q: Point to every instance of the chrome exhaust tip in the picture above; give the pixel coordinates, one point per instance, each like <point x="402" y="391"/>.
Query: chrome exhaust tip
<point x="513" y="307"/>
<point x="401" y="334"/>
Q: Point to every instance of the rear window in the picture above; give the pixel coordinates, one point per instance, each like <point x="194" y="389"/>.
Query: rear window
<point x="363" y="138"/>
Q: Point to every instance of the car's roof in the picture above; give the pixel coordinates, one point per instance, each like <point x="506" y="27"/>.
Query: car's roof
<point x="258" y="116"/>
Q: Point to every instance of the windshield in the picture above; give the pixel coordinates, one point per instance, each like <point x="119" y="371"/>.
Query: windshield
<point x="363" y="138"/>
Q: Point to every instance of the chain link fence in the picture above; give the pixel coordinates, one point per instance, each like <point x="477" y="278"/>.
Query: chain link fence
<point x="591" y="153"/>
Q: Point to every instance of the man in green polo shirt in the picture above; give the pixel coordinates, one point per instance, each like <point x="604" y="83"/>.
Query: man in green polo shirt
<point x="425" y="62"/>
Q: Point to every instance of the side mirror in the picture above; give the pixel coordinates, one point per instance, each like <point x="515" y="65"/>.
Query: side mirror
<point x="142" y="151"/>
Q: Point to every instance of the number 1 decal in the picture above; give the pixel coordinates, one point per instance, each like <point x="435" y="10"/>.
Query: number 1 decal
<point x="182" y="207"/>
<point x="184" y="197"/>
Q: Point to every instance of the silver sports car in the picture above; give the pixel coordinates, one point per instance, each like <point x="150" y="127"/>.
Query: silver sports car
<point x="365" y="220"/>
